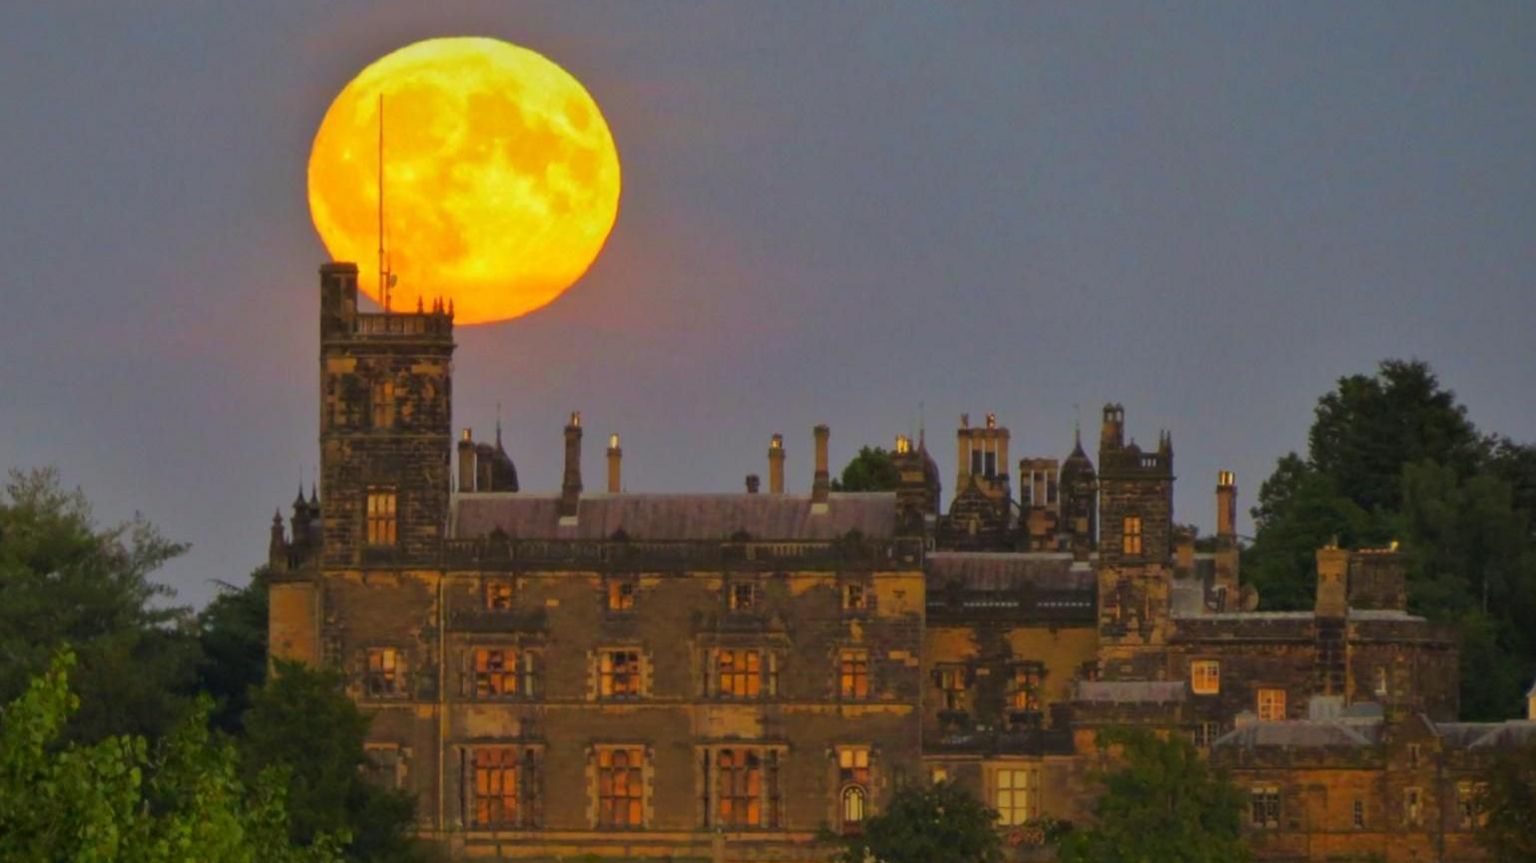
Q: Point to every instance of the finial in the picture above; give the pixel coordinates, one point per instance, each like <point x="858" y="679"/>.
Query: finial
<point x="418" y="304"/>
<point x="498" y="425"/>
<point x="314" y="495"/>
<point x="450" y="307"/>
<point x="277" y="517"/>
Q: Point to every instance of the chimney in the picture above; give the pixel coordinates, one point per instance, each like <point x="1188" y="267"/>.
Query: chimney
<point x="962" y="453"/>
<point x="821" y="484"/>
<point x="614" y="456"/>
<point x="1227" y="551"/>
<point x="570" y="487"/>
<point x="752" y="483"/>
<point x="1332" y="582"/>
<point x="776" y="465"/>
<point x="338" y="299"/>
<point x="466" y="462"/>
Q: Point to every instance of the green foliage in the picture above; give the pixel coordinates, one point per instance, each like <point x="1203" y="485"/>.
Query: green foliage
<point x="1509" y="799"/>
<point x="68" y="581"/>
<point x="1393" y="456"/>
<point x="1163" y="805"/>
<point x="301" y="721"/>
<point x="871" y="470"/>
<point x="232" y="632"/>
<point x="113" y="801"/>
<point x="938" y="824"/>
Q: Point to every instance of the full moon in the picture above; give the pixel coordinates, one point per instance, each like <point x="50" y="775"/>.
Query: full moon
<point x="500" y="177"/>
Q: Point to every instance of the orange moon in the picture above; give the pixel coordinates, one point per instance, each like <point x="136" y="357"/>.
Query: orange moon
<point x="500" y="177"/>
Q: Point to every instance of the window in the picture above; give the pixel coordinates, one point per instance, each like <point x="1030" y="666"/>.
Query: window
<point x="1017" y="795"/>
<point x="621" y="594"/>
<point x="1130" y="536"/>
<point x="618" y="674"/>
<point x="1469" y="804"/>
<point x="855" y="597"/>
<point x="853" y="779"/>
<point x="386" y="764"/>
<point x="743" y="596"/>
<point x="1024" y="694"/>
<point x="738" y="673"/>
<point x="383" y="404"/>
<point x="1359" y="814"/>
<point x="620" y="787"/>
<point x="745" y="792"/>
<point x="502" y="673"/>
<point x="952" y="686"/>
<point x="1264" y="806"/>
<point x="938" y="774"/>
<point x="1271" y="704"/>
<point x="381" y="516"/>
<point x="494" y="787"/>
<point x="498" y="595"/>
<point x="1205" y="676"/>
<point x="853" y="674"/>
<point x="1413" y="806"/>
<point x="383" y="677"/>
<point x="1381" y="680"/>
<point x="1206" y="734"/>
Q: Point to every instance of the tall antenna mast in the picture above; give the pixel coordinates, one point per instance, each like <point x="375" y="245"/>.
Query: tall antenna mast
<point x="383" y="270"/>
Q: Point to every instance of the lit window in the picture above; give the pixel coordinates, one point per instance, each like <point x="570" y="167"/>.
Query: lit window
<point x="383" y="404"/>
<point x="498" y="595"/>
<point x="1271" y="704"/>
<point x="853" y="778"/>
<point x="1025" y="694"/>
<point x="855" y="597"/>
<point x="621" y="594"/>
<point x="743" y="596"/>
<point x="383" y="671"/>
<point x="739" y="673"/>
<point x="1130" y="536"/>
<point x="381" y="516"/>
<point x="1359" y="814"/>
<point x="494" y="800"/>
<point x="745" y="780"/>
<point x="618" y="674"/>
<point x="938" y="774"/>
<point x="952" y="686"/>
<point x="853" y="674"/>
<point x="498" y="675"/>
<point x="1264" y="806"/>
<point x="1017" y="793"/>
<point x="620" y="788"/>
<point x="1205" y="676"/>
<point x="1413" y="806"/>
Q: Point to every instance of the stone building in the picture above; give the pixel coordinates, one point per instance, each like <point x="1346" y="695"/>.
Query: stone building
<point x="727" y="676"/>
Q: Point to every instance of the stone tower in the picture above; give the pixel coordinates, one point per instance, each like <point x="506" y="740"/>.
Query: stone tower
<point x="1135" y="544"/>
<point x="385" y="438"/>
<point x="1079" y="499"/>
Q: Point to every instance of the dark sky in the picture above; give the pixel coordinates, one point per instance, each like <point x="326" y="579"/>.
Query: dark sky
<point x="831" y="213"/>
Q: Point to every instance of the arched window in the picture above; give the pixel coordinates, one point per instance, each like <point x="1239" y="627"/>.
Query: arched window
<point x="854" y="800"/>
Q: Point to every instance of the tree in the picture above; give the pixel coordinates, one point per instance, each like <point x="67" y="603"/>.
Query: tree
<point x="302" y="722"/>
<point x="232" y="632"/>
<point x="938" y="824"/>
<point x="872" y="469"/>
<point x="1299" y="510"/>
<point x="66" y="580"/>
<point x="1508" y="799"/>
<point x="1163" y="805"/>
<point x="114" y="801"/>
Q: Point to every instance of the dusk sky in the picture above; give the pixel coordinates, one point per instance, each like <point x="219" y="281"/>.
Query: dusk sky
<point x="864" y="214"/>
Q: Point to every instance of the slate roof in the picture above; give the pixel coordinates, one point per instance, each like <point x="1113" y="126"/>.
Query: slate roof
<point x="1132" y="691"/>
<point x="992" y="571"/>
<point x="701" y="517"/>
<point x="1487" y="735"/>
<point x="1308" y="733"/>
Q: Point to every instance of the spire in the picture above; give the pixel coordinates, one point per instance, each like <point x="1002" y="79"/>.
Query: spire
<point x="314" y="497"/>
<point x="298" y="500"/>
<point x="498" y="425"/>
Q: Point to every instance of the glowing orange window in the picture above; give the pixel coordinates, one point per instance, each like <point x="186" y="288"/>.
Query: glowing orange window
<point x="620" y="787"/>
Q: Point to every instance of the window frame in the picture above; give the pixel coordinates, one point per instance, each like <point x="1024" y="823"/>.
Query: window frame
<point x="743" y="597"/>
<point x="381" y="403"/>
<point x="625" y="786"/>
<point x="1265" y="800"/>
<point x="1016" y="795"/>
<point x="1205" y="676"/>
<point x="498" y="594"/>
<point x="383" y="672"/>
<point x="489" y="768"/>
<point x="381" y="516"/>
<point x="610" y="672"/>
<point x="517" y="665"/>
<point x="1270" y="703"/>
<point x="621" y="593"/>
<point x="854" y="674"/>
<point x="1131" y="544"/>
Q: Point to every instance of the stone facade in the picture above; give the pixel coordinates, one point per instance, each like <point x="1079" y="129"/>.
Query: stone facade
<point x="728" y="676"/>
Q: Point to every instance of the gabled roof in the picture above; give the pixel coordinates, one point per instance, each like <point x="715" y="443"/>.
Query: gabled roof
<point x="1307" y="733"/>
<point x="688" y="517"/>
<point x="991" y="571"/>
<point x="1487" y="735"/>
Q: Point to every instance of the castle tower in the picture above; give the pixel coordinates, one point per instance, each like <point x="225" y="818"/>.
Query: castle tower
<point x="385" y="440"/>
<point x="1135" y="545"/>
<point x="1079" y="498"/>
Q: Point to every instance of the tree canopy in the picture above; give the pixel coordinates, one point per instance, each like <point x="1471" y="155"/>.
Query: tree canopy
<point x="937" y="824"/>
<point x="872" y="469"/>
<point x="1162" y="804"/>
<point x="1394" y="456"/>
<point x="1509" y="800"/>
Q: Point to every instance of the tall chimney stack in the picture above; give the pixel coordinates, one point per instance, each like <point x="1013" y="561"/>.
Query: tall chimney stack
<point x="821" y="485"/>
<point x="1227" y="550"/>
<point x="776" y="465"/>
<point x="752" y="483"/>
<point x="467" y="461"/>
<point x="1332" y="582"/>
<point x="570" y="487"/>
<point x="614" y="456"/>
